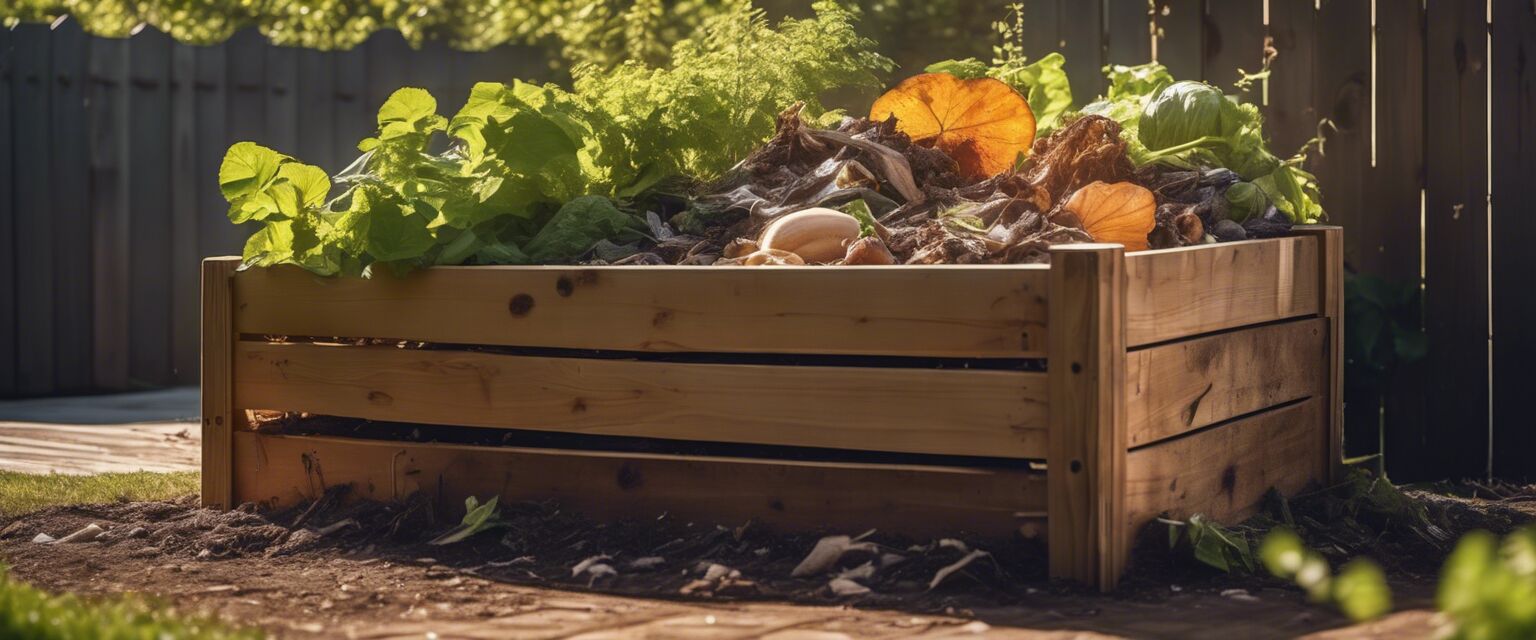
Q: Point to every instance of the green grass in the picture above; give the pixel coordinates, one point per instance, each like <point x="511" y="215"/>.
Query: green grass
<point x="24" y="492"/>
<point x="26" y="612"/>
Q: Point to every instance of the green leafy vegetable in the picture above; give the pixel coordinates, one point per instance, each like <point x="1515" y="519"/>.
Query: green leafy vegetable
<point x="536" y="173"/>
<point x="477" y="518"/>
<point x="859" y="209"/>
<point x="1211" y="544"/>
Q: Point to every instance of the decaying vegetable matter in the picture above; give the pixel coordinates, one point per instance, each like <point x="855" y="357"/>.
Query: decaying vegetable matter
<point x="725" y="158"/>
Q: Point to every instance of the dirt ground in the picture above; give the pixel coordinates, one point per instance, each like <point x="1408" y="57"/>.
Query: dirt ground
<point x="342" y="569"/>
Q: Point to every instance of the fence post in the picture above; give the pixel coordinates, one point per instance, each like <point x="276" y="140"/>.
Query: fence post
<point x="1085" y="464"/>
<point x="218" y="381"/>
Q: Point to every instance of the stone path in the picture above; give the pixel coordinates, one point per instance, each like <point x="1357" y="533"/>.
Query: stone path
<point x="148" y="431"/>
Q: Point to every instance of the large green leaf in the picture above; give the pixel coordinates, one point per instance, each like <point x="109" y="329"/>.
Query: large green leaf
<point x="247" y="169"/>
<point x="409" y="111"/>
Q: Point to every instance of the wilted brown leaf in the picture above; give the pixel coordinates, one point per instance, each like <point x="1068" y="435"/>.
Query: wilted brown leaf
<point x="1120" y="212"/>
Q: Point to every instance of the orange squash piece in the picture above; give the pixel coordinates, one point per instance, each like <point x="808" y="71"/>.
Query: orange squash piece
<point x="982" y="123"/>
<point x="1119" y="212"/>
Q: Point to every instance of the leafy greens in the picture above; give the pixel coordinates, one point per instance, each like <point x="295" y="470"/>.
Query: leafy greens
<point x="536" y="173"/>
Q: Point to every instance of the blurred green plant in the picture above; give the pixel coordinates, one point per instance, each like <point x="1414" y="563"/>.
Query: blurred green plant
<point x="1359" y="590"/>
<point x="1488" y="588"/>
<point x="1381" y="330"/>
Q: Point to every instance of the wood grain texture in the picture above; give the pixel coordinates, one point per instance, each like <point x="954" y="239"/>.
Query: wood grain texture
<point x="1290" y="115"/>
<point x="1456" y="222"/>
<point x="1181" y="33"/>
<point x="1331" y="289"/>
<point x="108" y="128"/>
<point x="1224" y="472"/>
<point x="1182" y="386"/>
<point x="32" y="248"/>
<point x="187" y="215"/>
<point x="1178" y="293"/>
<point x="70" y="155"/>
<point x="1393" y="250"/>
<point x="786" y="495"/>
<point x="218" y="414"/>
<point x="1086" y="465"/>
<point x="1514" y="148"/>
<point x="985" y="311"/>
<point x="959" y="412"/>
<point x="7" y="222"/>
<point x="1342" y="89"/>
<point x="149" y="209"/>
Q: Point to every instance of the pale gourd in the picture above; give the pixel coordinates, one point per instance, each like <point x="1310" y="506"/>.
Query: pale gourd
<point x="816" y="235"/>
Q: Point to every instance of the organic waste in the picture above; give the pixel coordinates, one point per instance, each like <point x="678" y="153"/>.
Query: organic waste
<point x="726" y="157"/>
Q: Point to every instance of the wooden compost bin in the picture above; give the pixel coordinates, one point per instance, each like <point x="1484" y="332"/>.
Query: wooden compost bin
<point x="1078" y="400"/>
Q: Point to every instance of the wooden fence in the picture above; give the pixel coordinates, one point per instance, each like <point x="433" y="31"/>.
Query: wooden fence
<point x="107" y="197"/>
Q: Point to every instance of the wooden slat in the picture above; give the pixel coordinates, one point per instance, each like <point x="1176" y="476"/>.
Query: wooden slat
<point x="959" y="412"/>
<point x="33" y="200"/>
<point x="1129" y="37"/>
<point x="1456" y="234"/>
<point x="316" y="89"/>
<point x="1042" y="32"/>
<point x="1394" y="192"/>
<point x="149" y="209"/>
<point x="1290" y="118"/>
<point x="215" y="235"/>
<point x="282" y="98"/>
<point x="218" y="415"/>
<point x="7" y="221"/>
<point x="70" y="155"/>
<point x="1234" y="39"/>
<point x="1086" y="465"/>
<point x="1343" y="95"/>
<point x="1330" y="288"/>
<point x="1081" y="25"/>
<point x="786" y="495"/>
<point x="1179" y="293"/>
<point x="186" y="216"/>
<point x="1514" y="164"/>
<point x="1182" y="386"/>
<point x="985" y="311"/>
<point x="108" y="127"/>
<point x="388" y="66"/>
<point x="1181" y="37"/>
<point x="1224" y="472"/>
<point x="354" y="117"/>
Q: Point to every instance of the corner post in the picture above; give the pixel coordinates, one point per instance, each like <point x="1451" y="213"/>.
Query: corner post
<point x="1086" y="459"/>
<point x="218" y="338"/>
<point x="1330" y="256"/>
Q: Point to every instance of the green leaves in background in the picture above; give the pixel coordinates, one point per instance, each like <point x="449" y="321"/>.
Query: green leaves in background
<point x="1359" y="590"/>
<point x="1488" y="587"/>
<point x="1381" y="330"/>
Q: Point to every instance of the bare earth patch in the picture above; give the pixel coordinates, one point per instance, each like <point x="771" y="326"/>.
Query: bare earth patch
<point x="363" y="570"/>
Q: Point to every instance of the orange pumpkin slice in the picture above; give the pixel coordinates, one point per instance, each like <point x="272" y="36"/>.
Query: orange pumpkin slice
<point x="1121" y="212"/>
<point x="982" y="123"/>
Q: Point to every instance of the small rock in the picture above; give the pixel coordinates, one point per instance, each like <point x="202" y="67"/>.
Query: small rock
<point x="648" y="562"/>
<point x="204" y="554"/>
<point x="136" y="532"/>
<point x="1241" y="595"/>
<point x="846" y="587"/>
<point x="43" y="538"/>
<point x="85" y="534"/>
<point x="584" y="565"/>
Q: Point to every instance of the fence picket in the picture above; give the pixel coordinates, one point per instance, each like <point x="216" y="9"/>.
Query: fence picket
<point x="1514" y="232"/>
<point x="1456" y="225"/>
<point x="1290" y="117"/>
<point x="33" y="249"/>
<point x="7" y="221"/>
<point x="149" y="245"/>
<point x="1080" y="26"/>
<point x="1127" y="37"/>
<point x="316" y="90"/>
<point x="70" y="172"/>
<point x="1391" y="250"/>
<point x="1180" y="26"/>
<point x="108" y="128"/>
<point x="186" y="314"/>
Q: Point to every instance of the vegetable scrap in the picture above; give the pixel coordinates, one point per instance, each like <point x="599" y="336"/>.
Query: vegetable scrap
<point x="726" y="158"/>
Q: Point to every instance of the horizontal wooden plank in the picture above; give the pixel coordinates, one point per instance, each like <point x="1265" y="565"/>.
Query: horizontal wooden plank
<point x="963" y="311"/>
<point x="949" y="411"/>
<point x="1181" y="386"/>
<point x="1225" y="471"/>
<point x="915" y="500"/>
<point x="1178" y="293"/>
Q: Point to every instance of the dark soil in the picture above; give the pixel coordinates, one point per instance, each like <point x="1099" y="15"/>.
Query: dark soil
<point x="338" y="562"/>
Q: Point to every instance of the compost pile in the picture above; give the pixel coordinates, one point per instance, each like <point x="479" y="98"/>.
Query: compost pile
<point x="726" y="157"/>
